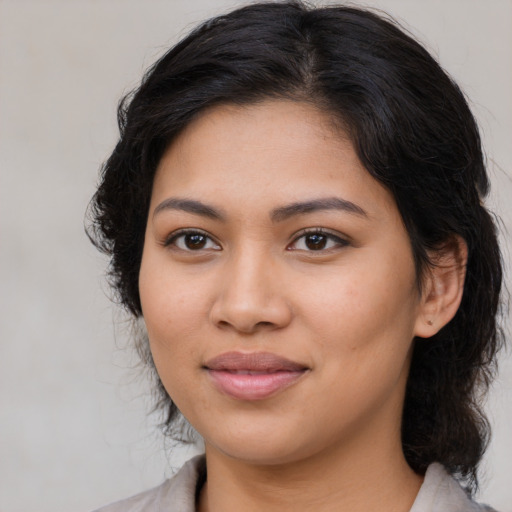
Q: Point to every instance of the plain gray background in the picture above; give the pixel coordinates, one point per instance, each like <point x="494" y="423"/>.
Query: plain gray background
<point x="73" y="426"/>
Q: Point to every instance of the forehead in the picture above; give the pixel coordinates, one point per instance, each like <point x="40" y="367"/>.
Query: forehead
<point x="273" y="150"/>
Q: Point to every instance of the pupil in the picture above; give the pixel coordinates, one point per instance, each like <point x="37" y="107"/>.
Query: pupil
<point x="196" y="241"/>
<point x="316" y="241"/>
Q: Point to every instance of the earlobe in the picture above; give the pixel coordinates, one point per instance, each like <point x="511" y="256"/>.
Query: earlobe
<point x="443" y="286"/>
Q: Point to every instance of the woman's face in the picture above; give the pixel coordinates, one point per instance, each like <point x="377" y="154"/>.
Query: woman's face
<point x="278" y="286"/>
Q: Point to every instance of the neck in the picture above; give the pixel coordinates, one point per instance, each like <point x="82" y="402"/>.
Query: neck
<point x="357" y="480"/>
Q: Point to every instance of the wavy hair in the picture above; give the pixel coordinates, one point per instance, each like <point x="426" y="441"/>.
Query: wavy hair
<point x="413" y="131"/>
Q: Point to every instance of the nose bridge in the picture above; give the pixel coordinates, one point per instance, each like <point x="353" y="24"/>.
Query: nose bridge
<point x="249" y="296"/>
<point x="251" y="265"/>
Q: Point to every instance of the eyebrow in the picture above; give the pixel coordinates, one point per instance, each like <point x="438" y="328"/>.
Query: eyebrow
<point x="277" y="215"/>
<point x="327" y="203"/>
<point x="189" y="206"/>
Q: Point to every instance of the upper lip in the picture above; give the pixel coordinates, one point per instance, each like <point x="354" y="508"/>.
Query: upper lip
<point x="255" y="361"/>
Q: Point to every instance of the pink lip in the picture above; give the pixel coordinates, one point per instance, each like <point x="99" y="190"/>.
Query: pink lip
<point x="253" y="376"/>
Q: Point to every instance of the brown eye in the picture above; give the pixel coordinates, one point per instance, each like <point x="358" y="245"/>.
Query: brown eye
<point x="315" y="241"/>
<point x="195" y="241"/>
<point x="192" y="241"/>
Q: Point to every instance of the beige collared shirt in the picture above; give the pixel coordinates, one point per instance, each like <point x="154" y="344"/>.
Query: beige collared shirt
<point x="439" y="493"/>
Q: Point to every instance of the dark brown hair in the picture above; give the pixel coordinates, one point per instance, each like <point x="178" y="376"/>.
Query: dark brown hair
<point x="413" y="131"/>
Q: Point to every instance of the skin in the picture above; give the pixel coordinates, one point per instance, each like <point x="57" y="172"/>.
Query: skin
<point x="348" y="311"/>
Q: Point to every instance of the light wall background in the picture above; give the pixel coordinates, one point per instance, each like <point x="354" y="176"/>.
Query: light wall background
<point x="73" y="426"/>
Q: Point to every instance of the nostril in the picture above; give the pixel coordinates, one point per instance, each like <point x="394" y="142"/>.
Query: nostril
<point x="264" y="324"/>
<point x="248" y="327"/>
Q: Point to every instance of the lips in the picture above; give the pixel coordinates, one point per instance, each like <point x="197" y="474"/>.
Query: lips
<point x="253" y="376"/>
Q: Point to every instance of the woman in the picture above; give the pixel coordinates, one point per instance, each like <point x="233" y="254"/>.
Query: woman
<point x="295" y="210"/>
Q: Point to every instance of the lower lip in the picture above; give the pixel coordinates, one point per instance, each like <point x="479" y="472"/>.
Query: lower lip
<point x="256" y="386"/>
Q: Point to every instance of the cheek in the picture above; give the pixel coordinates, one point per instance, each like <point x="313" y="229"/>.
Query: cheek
<point x="367" y="309"/>
<point x="173" y="309"/>
<point x="170" y="299"/>
<point x="364" y="327"/>
<point x="374" y="297"/>
<point x="170" y="308"/>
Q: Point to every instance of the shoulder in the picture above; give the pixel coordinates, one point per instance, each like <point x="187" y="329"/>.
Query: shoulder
<point x="440" y="492"/>
<point x="176" y="494"/>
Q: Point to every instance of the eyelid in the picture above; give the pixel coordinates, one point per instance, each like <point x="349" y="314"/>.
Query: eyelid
<point x="341" y="240"/>
<point x="170" y="239"/>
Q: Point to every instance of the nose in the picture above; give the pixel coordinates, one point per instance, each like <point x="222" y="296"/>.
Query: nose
<point x="251" y="297"/>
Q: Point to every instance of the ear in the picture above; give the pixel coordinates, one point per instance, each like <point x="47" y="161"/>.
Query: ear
<point x="442" y="287"/>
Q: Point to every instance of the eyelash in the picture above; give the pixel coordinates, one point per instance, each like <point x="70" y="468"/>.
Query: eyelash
<point x="182" y="233"/>
<point x="328" y="237"/>
<point x="339" y="241"/>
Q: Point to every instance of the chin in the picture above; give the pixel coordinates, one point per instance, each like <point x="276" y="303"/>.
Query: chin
<point x="265" y="446"/>
<point x="256" y="455"/>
